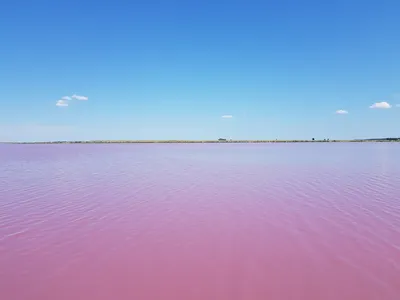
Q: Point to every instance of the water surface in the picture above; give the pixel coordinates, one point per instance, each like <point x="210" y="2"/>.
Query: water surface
<point x="200" y="221"/>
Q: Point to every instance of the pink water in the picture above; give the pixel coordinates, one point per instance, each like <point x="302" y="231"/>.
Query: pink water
<point x="226" y="222"/>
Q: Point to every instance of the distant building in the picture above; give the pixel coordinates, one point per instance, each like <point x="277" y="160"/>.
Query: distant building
<point x="221" y="140"/>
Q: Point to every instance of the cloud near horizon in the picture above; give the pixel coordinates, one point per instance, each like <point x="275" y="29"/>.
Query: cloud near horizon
<point x="227" y="116"/>
<point x="382" y="104"/>
<point x="342" y="112"/>
<point x="82" y="98"/>
<point x="62" y="103"/>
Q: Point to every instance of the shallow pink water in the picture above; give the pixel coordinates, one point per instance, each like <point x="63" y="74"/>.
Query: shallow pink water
<point x="226" y="222"/>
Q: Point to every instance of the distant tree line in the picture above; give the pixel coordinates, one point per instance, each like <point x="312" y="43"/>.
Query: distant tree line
<point x="220" y="140"/>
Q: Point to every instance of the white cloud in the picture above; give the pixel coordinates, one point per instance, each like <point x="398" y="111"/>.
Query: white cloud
<point x="67" y="98"/>
<point x="227" y="117"/>
<point x="382" y="104"/>
<point x="62" y="103"/>
<point x="342" y="112"/>
<point x="82" y="98"/>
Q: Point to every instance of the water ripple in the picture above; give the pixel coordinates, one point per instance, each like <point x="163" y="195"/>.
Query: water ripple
<point x="200" y="221"/>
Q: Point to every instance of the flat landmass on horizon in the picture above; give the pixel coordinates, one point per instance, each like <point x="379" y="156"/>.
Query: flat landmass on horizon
<point x="221" y="140"/>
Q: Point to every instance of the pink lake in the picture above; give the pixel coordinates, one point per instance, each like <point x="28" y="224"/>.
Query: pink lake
<point x="200" y="221"/>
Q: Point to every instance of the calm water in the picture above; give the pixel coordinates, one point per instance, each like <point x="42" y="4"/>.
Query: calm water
<point x="226" y="222"/>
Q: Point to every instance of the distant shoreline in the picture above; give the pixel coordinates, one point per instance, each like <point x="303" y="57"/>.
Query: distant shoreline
<point x="390" y="140"/>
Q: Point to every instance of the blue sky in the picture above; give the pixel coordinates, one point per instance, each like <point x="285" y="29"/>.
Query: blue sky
<point x="172" y="69"/>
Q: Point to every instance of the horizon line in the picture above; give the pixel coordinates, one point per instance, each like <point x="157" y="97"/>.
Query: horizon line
<point x="220" y="140"/>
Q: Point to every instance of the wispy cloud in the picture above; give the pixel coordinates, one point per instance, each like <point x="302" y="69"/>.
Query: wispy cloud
<point x="342" y="112"/>
<point x="227" y="116"/>
<point x="382" y="104"/>
<point x="397" y="105"/>
<point x="82" y="98"/>
<point x="62" y="103"/>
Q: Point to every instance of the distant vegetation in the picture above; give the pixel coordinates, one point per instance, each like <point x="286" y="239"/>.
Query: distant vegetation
<point x="379" y="140"/>
<point x="220" y="140"/>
